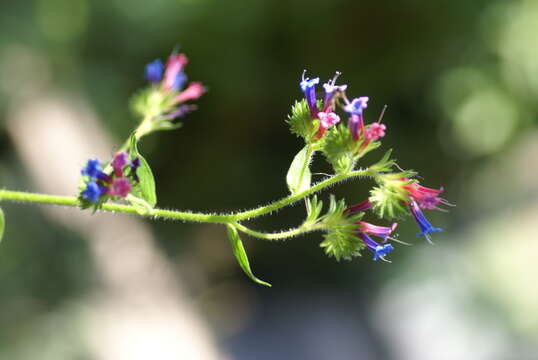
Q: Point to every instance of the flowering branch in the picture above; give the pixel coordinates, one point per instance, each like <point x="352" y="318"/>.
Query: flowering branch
<point x="126" y="184"/>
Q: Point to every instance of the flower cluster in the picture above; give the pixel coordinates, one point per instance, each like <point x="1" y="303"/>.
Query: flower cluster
<point x="166" y="99"/>
<point x="99" y="185"/>
<point x="327" y="117"/>
<point x="343" y="144"/>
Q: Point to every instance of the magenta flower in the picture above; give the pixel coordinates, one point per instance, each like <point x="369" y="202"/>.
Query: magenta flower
<point x="118" y="163"/>
<point x="360" y="207"/>
<point x="326" y="120"/>
<point x="375" y="230"/>
<point x="120" y="187"/>
<point x="426" y="198"/>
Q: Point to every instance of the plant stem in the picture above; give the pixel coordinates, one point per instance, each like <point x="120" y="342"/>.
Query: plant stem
<point x="27" y="197"/>
<point x="278" y="235"/>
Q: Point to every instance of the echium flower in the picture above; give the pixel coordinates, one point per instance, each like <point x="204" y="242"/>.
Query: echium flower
<point x="326" y="120"/>
<point x="173" y="86"/>
<point x="425" y="227"/>
<point x="356" y="122"/>
<point x="360" y="207"/>
<point x="308" y="87"/>
<point x="382" y="232"/>
<point x="98" y="184"/>
<point x="331" y="91"/>
<point x="377" y="249"/>
<point x="425" y="197"/>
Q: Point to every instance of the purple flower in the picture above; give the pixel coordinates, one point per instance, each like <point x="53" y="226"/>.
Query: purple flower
<point x="135" y="164"/>
<point x="118" y="163"/>
<point x="308" y="87"/>
<point x="154" y="71"/>
<point x="378" y="250"/>
<point x="120" y="187"/>
<point x="425" y="227"/>
<point x="356" y="126"/>
<point x="92" y="169"/>
<point x="331" y="90"/>
<point x="93" y="192"/>
<point x="357" y="105"/>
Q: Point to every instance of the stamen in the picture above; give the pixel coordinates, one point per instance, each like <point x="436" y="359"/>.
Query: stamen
<point x="382" y="114"/>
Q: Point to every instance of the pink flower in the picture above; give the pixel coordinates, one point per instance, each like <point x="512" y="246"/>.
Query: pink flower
<point x="375" y="230"/>
<point x="174" y="65"/>
<point x="192" y="92"/>
<point x="120" y="187"/>
<point x="326" y="120"/>
<point x="375" y="131"/>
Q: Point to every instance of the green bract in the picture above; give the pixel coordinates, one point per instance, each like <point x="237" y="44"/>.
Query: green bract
<point x="341" y="240"/>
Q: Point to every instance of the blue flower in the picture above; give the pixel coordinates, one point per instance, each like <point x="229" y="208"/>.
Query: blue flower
<point x="154" y="71"/>
<point x="179" y="81"/>
<point x="378" y="250"/>
<point x="308" y="87"/>
<point x="93" y="192"/>
<point x="92" y="169"/>
<point x="425" y="227"/>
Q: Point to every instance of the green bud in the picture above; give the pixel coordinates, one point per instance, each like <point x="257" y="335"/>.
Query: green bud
<point x="338" y="148"/>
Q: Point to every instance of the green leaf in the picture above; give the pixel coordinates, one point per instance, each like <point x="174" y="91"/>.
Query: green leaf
<point x="145" y="189"/>
<point x="241" y="255"/>
<point x="2" y="224"/>
<point x="299" y="176"/>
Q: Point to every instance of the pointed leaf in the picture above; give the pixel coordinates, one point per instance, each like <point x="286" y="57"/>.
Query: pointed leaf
<point x="2" y="224"/>
<point x="241" y="255"/>
<point x="145" y="189"/>
<point x="299" y="176"/>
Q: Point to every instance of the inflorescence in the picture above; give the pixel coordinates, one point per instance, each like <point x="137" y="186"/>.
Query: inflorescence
<point x="127" y="178"/>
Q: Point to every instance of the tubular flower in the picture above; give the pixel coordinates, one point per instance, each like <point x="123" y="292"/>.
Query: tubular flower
<point x="174" y="66"/>
<point x="356" y="122"/>
<point x="426" y="198"/>
<point x="192" y="92"/>
<point x="326" y="120"/>
<point x="425" y="227"/>
<point x="308" y="87"/>
<point x="154" y="71"/>
<point x="360" y="207"/>
<point x="331" y="90"/>
<point x="378" y="250"/>
<point x="375" y="230"/>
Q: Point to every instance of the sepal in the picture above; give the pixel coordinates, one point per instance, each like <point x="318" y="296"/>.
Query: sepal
<point x="301" y="123"/>
<point x="341" y="240"/>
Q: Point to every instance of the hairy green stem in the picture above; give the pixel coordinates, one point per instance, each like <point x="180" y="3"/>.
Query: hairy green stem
<point x="278" y="235"/>
<point x="27" y="197"/>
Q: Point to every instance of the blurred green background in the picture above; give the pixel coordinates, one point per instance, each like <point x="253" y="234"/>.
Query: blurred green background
<point x="460" y="79"/>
